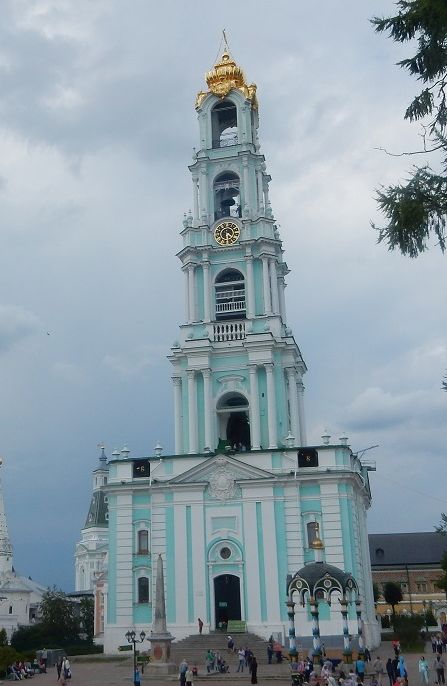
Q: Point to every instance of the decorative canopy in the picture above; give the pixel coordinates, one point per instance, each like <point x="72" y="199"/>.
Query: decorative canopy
<point x="226" y="76"/>
<point x="320" y="581"/>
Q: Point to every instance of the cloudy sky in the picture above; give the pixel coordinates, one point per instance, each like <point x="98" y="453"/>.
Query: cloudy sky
<point x="97" y="125"/>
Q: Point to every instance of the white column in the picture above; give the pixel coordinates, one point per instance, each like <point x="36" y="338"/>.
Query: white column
<point x="274" y="285"/>
<point x="282" y="299"/>
<point x="303" y="438"/>
<point x="206" y="292"/>
<point x="187" y="308"/>
<point x="246" y="184"/>
<point x="250" y="288"/>
<point x="203" y="196"/>
<point x="192" y="411"/>
<point x="260" y="191"/>
<point x="266" y="193"/>
<point x="191" y="295"/>
<point x="209" y="442"/>
<point x="271" y="406"/>
<point x="266" y="285"/>
<point x="255" y="425"/>
<point x="176" y="380"/>
<point x="293" y="403"/>
<point x="195" y="190"/>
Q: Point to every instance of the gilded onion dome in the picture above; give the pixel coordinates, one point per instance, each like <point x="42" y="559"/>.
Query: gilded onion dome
<point x="226" y="76"/>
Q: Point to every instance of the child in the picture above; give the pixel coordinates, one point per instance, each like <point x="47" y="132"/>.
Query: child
<point x="189" y="676"/>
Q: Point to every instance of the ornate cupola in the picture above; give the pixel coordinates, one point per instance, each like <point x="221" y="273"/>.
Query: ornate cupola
<point x="237" y="369"/>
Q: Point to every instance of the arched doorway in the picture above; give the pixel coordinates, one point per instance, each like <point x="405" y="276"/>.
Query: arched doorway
<point x="234" y="421"/>
<point x="227" y="598"/>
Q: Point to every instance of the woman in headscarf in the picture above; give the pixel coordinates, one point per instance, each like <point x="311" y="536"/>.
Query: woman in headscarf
<point x="254" y="670"/>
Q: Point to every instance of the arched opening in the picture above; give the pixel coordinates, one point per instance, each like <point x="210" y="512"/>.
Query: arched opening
<point x="224" y="124"/>
<point x="143" y="589"/>
<point x="227" y="599"/>
<point x="227" y="199"/>
<point x="234" y="421"/>
<point x="230" y="295"/>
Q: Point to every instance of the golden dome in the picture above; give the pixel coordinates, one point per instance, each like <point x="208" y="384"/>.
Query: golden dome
<point x="226" y="76"/>
<point x="317" y="544"/>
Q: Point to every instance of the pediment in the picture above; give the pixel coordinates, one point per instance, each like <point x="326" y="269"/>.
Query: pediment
<point x="223" y="464"/>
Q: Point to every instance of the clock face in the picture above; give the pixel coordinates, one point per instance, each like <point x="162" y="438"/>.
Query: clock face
<point x="226" y="233"/>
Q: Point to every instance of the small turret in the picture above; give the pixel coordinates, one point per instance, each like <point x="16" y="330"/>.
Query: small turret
<point x="5" y="543"/>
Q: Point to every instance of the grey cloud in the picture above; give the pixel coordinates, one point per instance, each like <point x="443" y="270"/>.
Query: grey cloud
<point x="15" y="325"/>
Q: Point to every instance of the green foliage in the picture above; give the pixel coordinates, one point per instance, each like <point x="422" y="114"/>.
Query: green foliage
<point x="32" y="638"/>
<point x="392" y="595"/>
<point x="87" y="617"/>
<point x="3" y="637"/>
<point x="376" y="592"/>
<point x="407" y="629"/>
<point x="7" y="657"/>
<point x="58" y="617"/>
<point x="441" y="583"/>
<point x="417" y="209"/>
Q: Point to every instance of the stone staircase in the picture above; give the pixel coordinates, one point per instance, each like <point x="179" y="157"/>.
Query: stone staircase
<point x="195" y="647"/>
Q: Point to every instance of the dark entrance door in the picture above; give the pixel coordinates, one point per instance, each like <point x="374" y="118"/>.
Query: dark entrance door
<point x="227" y="598"/>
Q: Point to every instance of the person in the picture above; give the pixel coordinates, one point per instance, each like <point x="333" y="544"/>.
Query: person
<point x="401" y="668"/>
<point x="433" y="643"/>
<point x="241" y="657"/>
<point x="136" y="677"/>
<point x="378" y="669"/>
<point x="189" y="677"/>
<point x="230" y="644"/>
<point x="200" y="625"/>
<point x="360" y="667"/>
<point x="367" y="654"/>
<point x="423" y="670"/>
<point x="254" y="669"/>
<point x="439" y="666"/>
<point x="269" y="652"/>
<point x="44" y="656"/>
<point x="390" y="671"/>
<point x="209" y="661"/>
<point x="66" y="669"/>
<point x="59" y="667"/>
<point x="183" y="667"/>
<point x="439" y="645"/>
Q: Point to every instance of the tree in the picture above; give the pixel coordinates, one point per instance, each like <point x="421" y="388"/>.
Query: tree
<point x="87" y="617"/>
<point x="3" y="637"/>
<point x="441" y="583"/>
<point x="392" y="595"/>
<point x="376" y="592"/>
<point x="58" y="618"/>
<point x="417" y="209"/>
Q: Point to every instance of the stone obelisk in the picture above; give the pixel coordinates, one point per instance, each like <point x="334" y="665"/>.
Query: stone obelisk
<point x="160" y="637"/>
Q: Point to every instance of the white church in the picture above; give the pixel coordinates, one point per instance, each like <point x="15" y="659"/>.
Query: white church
<point x="236" y="510"/>
<point x="20" y="596"/>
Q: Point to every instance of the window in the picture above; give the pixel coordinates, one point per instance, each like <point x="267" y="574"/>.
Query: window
<point x="10" y="609"/>
<point x="227" y="200"/>
<point x="143" y="542"/>
<point x="312" y="532"/>
<point x="230" y="295"/>
<point x="224" y="124"/>
<point x="143" y="589"/>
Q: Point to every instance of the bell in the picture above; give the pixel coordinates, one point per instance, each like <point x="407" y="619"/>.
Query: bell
<point x="227" y="198"/>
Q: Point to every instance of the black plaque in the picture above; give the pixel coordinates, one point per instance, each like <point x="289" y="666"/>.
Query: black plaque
<point x="141" y="468"/>
<point x="307" y="457"/>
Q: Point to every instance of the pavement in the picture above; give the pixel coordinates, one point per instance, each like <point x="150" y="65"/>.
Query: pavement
<point x="109" y="672"/>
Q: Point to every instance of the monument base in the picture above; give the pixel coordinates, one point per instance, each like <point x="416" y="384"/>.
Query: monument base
<point x="154" y="669"/>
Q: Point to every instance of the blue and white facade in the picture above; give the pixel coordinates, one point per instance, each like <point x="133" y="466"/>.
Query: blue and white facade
<point x="233" y="512"/>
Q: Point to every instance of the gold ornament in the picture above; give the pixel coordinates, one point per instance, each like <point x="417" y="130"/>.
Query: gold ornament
<point x="226" y="76"/>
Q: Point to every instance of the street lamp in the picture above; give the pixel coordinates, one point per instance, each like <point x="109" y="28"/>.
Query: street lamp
<point x="132" y="638"/>
<point x="424" y="603"/>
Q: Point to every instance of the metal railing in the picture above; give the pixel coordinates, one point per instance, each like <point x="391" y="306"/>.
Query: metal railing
<point x="229" y="331"/>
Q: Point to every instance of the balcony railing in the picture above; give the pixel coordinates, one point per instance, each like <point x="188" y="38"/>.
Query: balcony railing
<point x="229" y="331"/>
<point x="233" y="306"/>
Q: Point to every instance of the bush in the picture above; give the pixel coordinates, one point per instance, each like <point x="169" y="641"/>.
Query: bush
<point x="7" y="657"/>
<point x="407" y="630"/>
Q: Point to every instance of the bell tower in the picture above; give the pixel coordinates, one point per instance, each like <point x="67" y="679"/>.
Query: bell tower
<point x="237" y="369"/>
